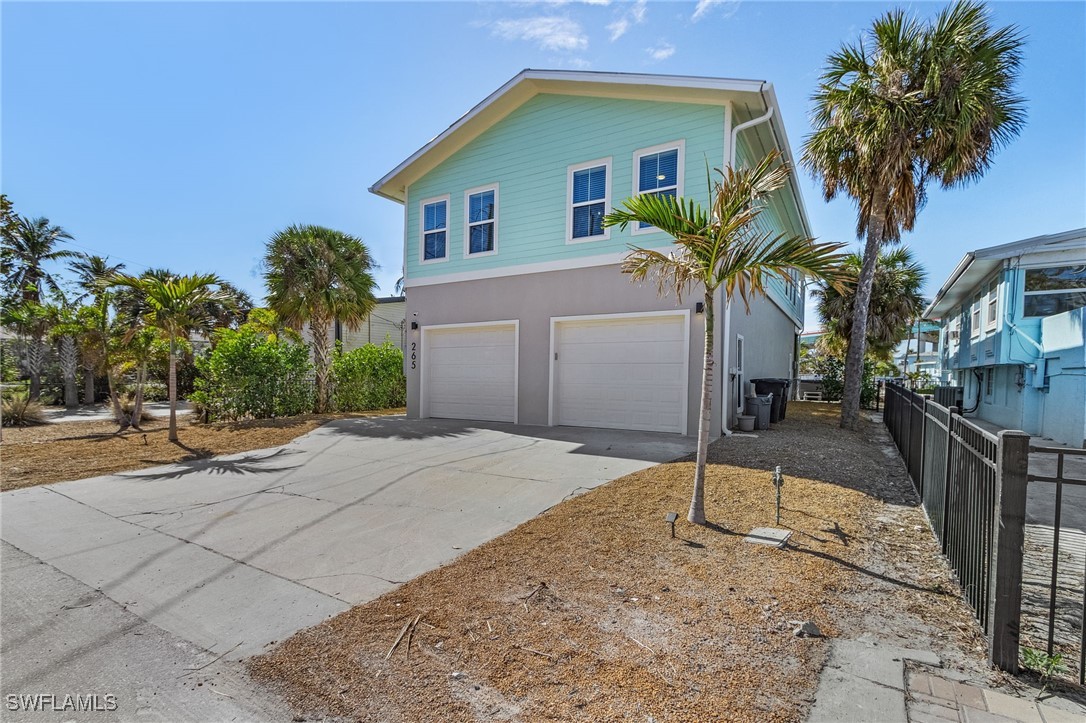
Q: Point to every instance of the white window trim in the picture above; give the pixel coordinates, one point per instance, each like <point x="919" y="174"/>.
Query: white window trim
<point x="679" y="175"/>
<point x="1046" y="292"/>
<point x="468" y="224"/>
<point x="606" y="235"/>
<point x="975" y="317"/>
<point x="740" y="354"/>
<point x="992" y="303"/>
<point x="422" y="229"/>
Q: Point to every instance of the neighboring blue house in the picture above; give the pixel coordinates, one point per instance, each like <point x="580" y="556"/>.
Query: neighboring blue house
<point x="516" y="308"/>
<point x="1012" y="334"/>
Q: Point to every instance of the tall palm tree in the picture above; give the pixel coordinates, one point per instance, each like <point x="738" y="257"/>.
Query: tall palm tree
<point x="28" y="245"/>
<point x="89" y="272"/>
<point x="93" y="274"/>
<point x="175" y="306"/>
<point x="895" y="302"/>
<point x="31" y="322"/>
<point x="916" y="103"/>
<point x="716" y="248"/>
<point x="316" y="275"/>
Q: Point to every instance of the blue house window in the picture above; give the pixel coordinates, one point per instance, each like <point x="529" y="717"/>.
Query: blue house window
<point x="659" y="172"/>
<point x="1054" y="290"/>
<point x="482" y="221"/>
<point x="589" y="191"/>
<point x="435" y="230"/>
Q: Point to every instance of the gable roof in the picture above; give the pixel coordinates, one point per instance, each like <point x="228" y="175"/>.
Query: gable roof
<point x="529" y="83"/>
<point x="975" y="266"/>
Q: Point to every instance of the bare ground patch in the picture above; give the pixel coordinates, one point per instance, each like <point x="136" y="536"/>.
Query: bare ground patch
<point x="74" y="450"/>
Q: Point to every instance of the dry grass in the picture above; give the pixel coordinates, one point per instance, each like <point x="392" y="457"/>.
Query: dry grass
<point x="74" y="450"/>
<point x="592" y="612"/>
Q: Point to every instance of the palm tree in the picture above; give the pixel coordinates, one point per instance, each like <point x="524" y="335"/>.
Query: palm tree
<point x="895" y="303"/>
<point x="93" y="274"/>
<point x="31" y="323"/>
<point x="720" y="248"/>
<point x="26" y="247"/>
<point x="316" y="275"/>
<point x="917" y="103"/>
<point x="175" y="306"/>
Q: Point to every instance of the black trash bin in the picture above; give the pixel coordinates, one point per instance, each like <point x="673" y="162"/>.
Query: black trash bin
<point x="759" y="408"/>
<point x="776" y="387"/>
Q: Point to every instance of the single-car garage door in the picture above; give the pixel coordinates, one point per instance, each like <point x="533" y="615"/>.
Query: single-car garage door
<point x="470" y="372"/>
<point x="622" y="372"/>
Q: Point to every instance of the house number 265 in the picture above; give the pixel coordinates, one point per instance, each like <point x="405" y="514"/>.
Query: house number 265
<point x="413" y="355"/>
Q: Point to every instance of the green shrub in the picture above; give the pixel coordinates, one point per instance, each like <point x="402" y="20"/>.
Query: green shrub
<point x="370" y="377"/>
<point x="19" y="411"/>
<point x="248" y="375"/>
<point x="832" y="371"/>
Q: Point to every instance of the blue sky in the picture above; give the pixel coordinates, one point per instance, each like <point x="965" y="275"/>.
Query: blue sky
<point x="183" y="135"/>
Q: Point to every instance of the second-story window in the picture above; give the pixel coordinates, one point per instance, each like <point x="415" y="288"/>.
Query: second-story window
<point x="435" y="229"/>
<point x="993" y="305"/>
<point x="974" y="321"/>
<point x="482" y="226"/>
<point x="1054" y="290"/>
<point x="589" y="196"/>
<point x="658" y="170"/>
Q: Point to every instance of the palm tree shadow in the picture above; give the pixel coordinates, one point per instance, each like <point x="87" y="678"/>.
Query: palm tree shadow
<point x="202" y="462"/>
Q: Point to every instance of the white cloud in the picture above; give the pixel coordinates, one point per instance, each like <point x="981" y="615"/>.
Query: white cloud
<point x="549" y="32"/>
<point x="633" y="15"/>
<point x="704" y="7"/>
<point x="663" y="51"/>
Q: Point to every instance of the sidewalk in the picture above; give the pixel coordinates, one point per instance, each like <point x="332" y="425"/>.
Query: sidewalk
<point x="866" y="681"/>
<point x="933" y="698"/>
<point x="102" y="412"/>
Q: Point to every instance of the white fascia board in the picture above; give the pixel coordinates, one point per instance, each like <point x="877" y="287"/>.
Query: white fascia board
<point x="539" y="80"/>
<point x="777" y="122"/>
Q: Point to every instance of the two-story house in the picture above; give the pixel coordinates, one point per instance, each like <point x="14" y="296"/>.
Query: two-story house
<point x="516" y="307"/>
<point x="1012" y="334"/>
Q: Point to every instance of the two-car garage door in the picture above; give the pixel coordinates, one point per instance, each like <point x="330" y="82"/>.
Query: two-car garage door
<point x="621" y="372"/>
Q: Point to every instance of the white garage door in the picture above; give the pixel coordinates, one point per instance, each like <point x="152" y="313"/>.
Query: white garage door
<point x="622" y="373"/>
<point x="470" y="373"/>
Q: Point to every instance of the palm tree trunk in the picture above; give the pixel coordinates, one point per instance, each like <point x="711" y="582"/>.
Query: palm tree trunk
<point x="35" y="360"/>
<point x="88" y="383"/>
<point x="697" y="501"/>
<point x="173" y="393"/>
<point x="137" y="402"/>
<point x="114" y="398"/>
<point x="69" y="364"/>
<point x="322" y="361"/>
<point x="857" y="345"/>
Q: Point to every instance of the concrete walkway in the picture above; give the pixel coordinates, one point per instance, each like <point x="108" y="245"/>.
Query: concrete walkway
<point x="235" y="553"/>
<point x="102" y="412"/>
<point x="936" y="698"/>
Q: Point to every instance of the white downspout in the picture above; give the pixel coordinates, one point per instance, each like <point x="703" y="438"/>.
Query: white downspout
<point x="728" y="404"/>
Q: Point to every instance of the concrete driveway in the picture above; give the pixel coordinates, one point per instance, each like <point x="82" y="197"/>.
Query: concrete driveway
<point x="234" y="553"/>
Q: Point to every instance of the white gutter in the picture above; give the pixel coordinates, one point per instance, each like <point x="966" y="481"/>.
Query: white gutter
<point x="743" y="127"/>
<point x="960" y="269"/>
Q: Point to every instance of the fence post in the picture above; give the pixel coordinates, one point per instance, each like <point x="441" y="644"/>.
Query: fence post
<point x="948" y="463"/>
<point x="1008" y="538"/>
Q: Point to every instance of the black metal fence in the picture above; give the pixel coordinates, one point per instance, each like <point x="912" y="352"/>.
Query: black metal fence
<point x="973" y="486"/>
<point x="1066" y="592"/>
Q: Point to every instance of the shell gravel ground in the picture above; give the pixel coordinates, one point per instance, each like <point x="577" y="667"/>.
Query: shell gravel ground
<point x="592" y="612"/>
<point x="74" y="450"/>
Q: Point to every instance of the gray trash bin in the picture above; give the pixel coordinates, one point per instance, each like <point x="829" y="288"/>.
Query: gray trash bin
<point x="778" y="388"/>
<point x="758" y="407"/>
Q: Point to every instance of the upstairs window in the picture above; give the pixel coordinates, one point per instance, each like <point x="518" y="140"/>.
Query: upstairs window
<point x="993" y="305"/>
<point x="435" y="229"/>
<point x="658" y="171"/>
<point x="589" y="196"/>
<point x="974" y="321"/>
<point x="1054" y="290"/>
<point x="482" y="223"/>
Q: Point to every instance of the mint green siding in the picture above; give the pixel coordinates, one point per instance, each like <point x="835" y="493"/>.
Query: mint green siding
<point x="527" y="155"/>
<point x="781" y="216"/>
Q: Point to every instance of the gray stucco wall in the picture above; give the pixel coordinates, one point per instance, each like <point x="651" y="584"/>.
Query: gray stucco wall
<point x="769" y="338"/>
<point x="533" y="299"/>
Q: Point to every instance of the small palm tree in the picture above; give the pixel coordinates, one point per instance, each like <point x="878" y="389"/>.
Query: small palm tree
<point x="316" y="275"/>
<point x="90" y="270"/>
<point x="916" y="103"/>
<point x="720" y="248"/>
<point x="895" y="303"/>
<point x="27" y="245"/>
<point x="175" y="306"/>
